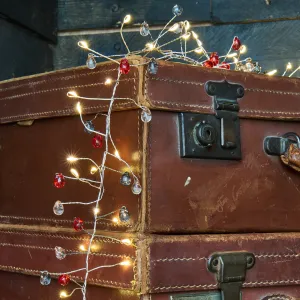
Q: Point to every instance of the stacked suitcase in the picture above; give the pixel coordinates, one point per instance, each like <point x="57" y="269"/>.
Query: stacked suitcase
<point x="218" y="215"/>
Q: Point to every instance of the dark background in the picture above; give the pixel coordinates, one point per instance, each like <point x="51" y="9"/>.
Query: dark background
<point x="38" y="36"/>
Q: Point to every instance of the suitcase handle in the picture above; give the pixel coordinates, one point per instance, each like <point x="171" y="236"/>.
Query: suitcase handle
<point x="288" y="149"/>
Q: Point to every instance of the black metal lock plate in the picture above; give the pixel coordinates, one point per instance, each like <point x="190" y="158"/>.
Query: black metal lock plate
<point x="200" y="136"/>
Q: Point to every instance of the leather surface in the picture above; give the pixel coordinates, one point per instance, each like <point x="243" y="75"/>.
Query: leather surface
<point x="31" y="155"/>
<point x="180" y="87"/>
<point x="257" y="194"/>
<point x="179" y="263"/>
<point x="19" y="287"/>
<point x="264" y="293"/>
<point x="292" y="157"/>
<point x="30" y="252"/>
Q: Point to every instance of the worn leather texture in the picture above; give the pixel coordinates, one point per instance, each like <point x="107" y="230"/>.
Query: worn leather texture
<point x="179" y="263"/>
<point x="292" y="157"/>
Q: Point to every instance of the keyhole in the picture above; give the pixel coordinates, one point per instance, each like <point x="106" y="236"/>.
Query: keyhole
<point x="208" y="133"/>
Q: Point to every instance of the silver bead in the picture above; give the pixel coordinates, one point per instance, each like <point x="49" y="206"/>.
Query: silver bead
<point x="91" y="61"/>
<point x="152" y="67"/>
<point x="45" y="278"/>
<point x="125" y="179"/>
<point x="90" y="126"/>
<point x="177" y="10"/>
<point x="146" y="115"/>
<point x="136" y="188"/>
<point x="144" y="29"/>
<point x="58" y="208"/>
<point x="60" y="253"/>
<point x="177" y="27"/>
<point x="124" y="215"/>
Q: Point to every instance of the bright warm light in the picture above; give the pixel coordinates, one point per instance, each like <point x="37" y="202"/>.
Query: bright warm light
<point x="63" y="294"/>
<point x="271" y="73"/>
<point x="186" y="36"/>
<point x="127" y="19"/>
<point x="187" y="25"/>
<point x="96" y="210"/>
<point x="72" y="94"/>
<point x="82" y="248"/>
<point x="195" y="35"/>
<point x="95" y="247"/>
<point x="72" y="158"/>
<point x="174" y="27"/>
<point x="150" y="46"/>
<point x="127" y="242"/>
<point x="289" y="66"/>
<point x="117" y="154"/>
<point x="83" y="44"/>
<point x="243" y="49"/>
<point x="74" y="173"/>
<point x="93" y="170"/>
<point x="199" y="50"/>
<point x="108" y="81"/>
<point x="199" y="43"/>
<point x="125" y="263"/>
<point x="115" y="220"/>
<point x="235" y="60"/>
<point x="78" y="107"/>
<point x="232" y="54"/>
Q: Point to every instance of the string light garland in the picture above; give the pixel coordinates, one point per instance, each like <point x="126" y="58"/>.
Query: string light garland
<point x="103" y="140"/>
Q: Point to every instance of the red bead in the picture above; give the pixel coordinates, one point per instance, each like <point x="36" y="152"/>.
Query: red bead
<point x="78" y="224"/>
<point x="214" y="58"/>
<point x="208" y="64"/>
<point x="64" y="279"/>
<point x="224" y="65"/>
<point x="124" y="66"/>
<point x="59" y="180"/>
<point x="236" y="44"/>
<point x="97" y="141"/>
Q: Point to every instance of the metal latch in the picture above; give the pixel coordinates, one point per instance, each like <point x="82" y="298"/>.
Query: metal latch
<point x="214" y="136"/>
<point x="230" y="269"/>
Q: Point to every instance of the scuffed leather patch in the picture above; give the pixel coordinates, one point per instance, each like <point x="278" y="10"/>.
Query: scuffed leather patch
<point x="292" y="157"/>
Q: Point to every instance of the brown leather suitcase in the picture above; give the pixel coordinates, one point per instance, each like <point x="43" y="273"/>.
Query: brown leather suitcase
<point x="217" y="157"/>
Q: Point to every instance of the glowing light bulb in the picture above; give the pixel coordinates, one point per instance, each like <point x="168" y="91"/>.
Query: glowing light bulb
<point x="150" y="46"/>
<point x="289" y="66"/>
<point x="199" y="50"/>
<point x="74" y="173"/>
<point x="186" y="36"/>
<point x="127" y="19"/>
<point x="72" y="94"/>
<point x="127" y="242"/>
<point x="93" y="170"/>
<point x="95" y="247"/>
<point x="235" y="60"/>
<point x="78" y="107"/>
<point x="82" y="248"/>
<point x="115" y="220"/>
<point x="232" y="54"/>
<point x="243" y="49"/>
<point x="83" y="44"/>
<point x="195" y="35"/>
<point x="72" y="158"/>
<point x="271" y="73"/>
<point x="96" y="210"/>
<point x="187" y="25"/>
<point x="108" y="81"/>
<point x="63" y="294"/>
<point x="125" y="263"/>
<point x="117" y="154"/>
<point x="174" y="27"/>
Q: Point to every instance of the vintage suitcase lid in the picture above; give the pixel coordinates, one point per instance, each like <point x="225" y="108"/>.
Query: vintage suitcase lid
<point x="175" y="87"/>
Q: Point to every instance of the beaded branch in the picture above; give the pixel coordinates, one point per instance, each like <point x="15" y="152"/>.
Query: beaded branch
<point x="198" y="56"/>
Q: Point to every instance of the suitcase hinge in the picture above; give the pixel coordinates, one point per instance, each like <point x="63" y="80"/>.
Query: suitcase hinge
<point x="214" y="136"/>
<point x="230" y="269"/>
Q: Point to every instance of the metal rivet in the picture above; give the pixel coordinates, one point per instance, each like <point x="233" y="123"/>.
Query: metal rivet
<point x="215" y="262"/>
<point x="115" y="8"/>
<point x="240" y="91"/>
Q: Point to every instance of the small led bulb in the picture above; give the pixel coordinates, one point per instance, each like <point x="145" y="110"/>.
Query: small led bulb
<point x="72" y="94"/>
<point x="117" y="154"/>
<point x="82" y="248"/>
<point x="63" y="294"/>
<point x="187" y="25"/>
<point x="72" y="158"/>
<point x="127" y="242"/>
<point x="289" y="66"/>
<point x="271" y="73"/>
<point x="83" y="44"/>
<point x="125" y="263"/>
<point x="93" y="170"/>
<point x="186" y="36"/>
<point x="96" y="210"/>
<point x="115" y="220"/>
<point x="74" y="173"/>
<point x="243" y="49"/>
<point x="150" y="46"/>
<point x="78" y="107"/>
<point x="108" y="81"/>
<point x="127" y="19"/>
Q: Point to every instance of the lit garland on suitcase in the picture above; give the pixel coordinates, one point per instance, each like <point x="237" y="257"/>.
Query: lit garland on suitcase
<point x="105" y="140"/>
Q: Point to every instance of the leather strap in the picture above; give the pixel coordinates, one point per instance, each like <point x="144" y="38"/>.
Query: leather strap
<point x="291" y="157"/>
